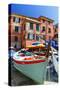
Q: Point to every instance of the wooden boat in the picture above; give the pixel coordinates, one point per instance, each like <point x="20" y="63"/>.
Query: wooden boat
<point x="33" y="68"/>
<point x="55" y="59"/>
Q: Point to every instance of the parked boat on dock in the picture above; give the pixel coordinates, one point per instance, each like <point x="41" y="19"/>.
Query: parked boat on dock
<point x="30" y="65"/>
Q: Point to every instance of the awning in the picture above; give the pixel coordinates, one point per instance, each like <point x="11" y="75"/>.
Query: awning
<point x="36" y="46"/>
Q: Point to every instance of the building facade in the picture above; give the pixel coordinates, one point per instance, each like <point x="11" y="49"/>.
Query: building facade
<point x="23" y="30"/>
<point x="46" y="27"/>
<point x="55" y="32"/>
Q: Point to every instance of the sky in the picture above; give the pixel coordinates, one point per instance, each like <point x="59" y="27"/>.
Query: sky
<point x="35" y="11"/>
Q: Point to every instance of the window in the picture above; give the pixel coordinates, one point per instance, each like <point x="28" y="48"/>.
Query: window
<point x="43" y="21"/>
<point x="31" y="25"/>
<point x="16" y="20"/>
<point x="37" y="37"/>
<point x="13" y="19"/>
<point x="16" y="28"/>
<point x="37" y="27"/>
<point x="31" y="36"/>
<point x="28" y="35"/>
<point x="55" y="30"/>
<point x="49" y="22"/>
<point x="43" y="28"/>
<point x="16" y="38"/>
<point x="49" y="31"/>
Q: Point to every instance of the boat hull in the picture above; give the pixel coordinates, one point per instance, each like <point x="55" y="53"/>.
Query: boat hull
<point x="55" y="62"/>
<point x="55" y="57"/>
<point x="35" y="71"/>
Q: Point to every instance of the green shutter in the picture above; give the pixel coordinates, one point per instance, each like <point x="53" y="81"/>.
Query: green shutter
<point x="37" y="27"/>
<point x="31" y="25"/>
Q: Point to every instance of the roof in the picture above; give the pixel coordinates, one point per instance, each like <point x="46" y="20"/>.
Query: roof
<point x="26" y="18"/>
<point x="33" y="19"/>
<point x="23" y="16"/>
<point x="45" y="18"/>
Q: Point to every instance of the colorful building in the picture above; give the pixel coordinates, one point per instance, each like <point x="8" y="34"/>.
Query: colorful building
<point x="23" y="30"/>
<point x="46" y="27"/>
<point x="55" y="32"/>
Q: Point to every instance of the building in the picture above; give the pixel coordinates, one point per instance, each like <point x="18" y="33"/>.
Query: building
<point x="23" y="30"/>
<point x="55" y="32"/>
<point x="46" y="27"/>
<point x="14" y="31"/>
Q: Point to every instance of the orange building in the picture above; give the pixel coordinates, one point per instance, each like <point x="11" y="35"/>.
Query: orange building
<point x="23" y="30"/>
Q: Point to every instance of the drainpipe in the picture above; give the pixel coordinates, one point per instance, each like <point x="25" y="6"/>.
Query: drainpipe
<point x="48" y="48"/>
<point x="45" y="33"/>
<point x="22" y="28"/>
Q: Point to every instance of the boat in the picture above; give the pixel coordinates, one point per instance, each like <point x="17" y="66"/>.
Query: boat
<point x="55" y="58"/>
<point x="32" y="68"/>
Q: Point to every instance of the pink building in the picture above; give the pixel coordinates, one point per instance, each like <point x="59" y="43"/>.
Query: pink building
<point x="25" y="30"/>
<point x="46" y="27"/>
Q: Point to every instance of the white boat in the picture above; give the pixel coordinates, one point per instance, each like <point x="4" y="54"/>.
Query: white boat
<point x="34" y="69"/>
<point x="55" y="59"/>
